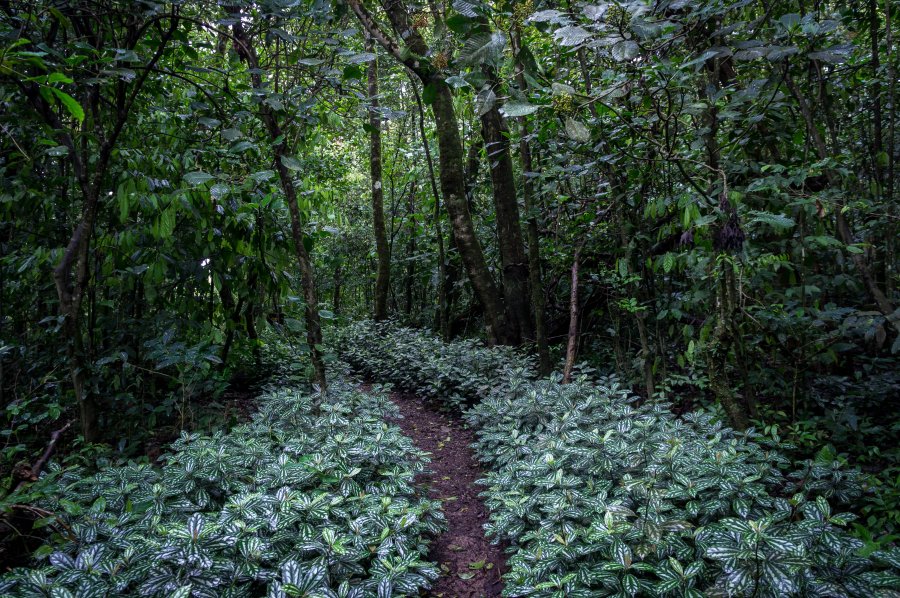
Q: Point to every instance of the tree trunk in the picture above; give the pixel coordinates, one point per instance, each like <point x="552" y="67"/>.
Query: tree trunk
<point x="410" y="250"/>
<point x="516" y="290"/>
<point x="443" y="315"/>
<point x="572" y="344"/>
<point x="337" y="283"/>
<point x="313" y="327"/>
<point x="844" y="233"/>
<point x="717" y="353"/>
<point x="531" y="214"/>
<point x="450" y="156"/>
<point x="71" y="294"/>
<point x="454" y="192"/>
<point x="383" y="274"/>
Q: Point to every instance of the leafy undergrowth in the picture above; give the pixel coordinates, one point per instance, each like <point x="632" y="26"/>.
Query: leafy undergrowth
<point x="452" y="374"/>
<point x="599" y="495"/>
<point x="313" y="497"/>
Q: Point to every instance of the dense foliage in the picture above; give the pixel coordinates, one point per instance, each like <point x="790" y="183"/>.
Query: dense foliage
<point x="600" y="493"/>
<point x="452" y="374"/>
<point x="313" y="497"/>
<point x="694" y="198"/>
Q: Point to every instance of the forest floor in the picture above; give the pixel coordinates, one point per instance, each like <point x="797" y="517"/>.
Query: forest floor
<point x="471" y="565"/>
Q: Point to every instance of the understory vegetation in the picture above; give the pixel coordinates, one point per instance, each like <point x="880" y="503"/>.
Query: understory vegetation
<point x="646" y="249"/>
<point x="600" y="493"/>
<point x="313" y="497"/>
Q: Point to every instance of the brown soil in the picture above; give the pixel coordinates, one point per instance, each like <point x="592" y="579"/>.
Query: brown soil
<point x="471" y="565"/>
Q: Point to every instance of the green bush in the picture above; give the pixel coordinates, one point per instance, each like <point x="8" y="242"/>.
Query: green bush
<point x="599" y="495"/>
<point x="453" y="374"/>
<point x="313" y="497"/>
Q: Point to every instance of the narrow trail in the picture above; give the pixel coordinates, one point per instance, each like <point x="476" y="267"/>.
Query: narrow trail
<point x="471" y="565"/>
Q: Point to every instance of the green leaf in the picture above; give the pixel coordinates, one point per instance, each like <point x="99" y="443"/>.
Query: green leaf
<point x="429" y="94"/>
<point x="571" y="35"/>
<point x="361" y="58"/>
<point x="291" y="163"/>
<point x="352" y="73"/>
<point x="484" y="101"/>
<point x="577" y="131"/>
<point x="514" y="109"/>
<point x="182" y="592"/>
<point x="70" y="103"/>
<point x="774" y="220"/>
<point x="197" y="178"/>
<point x="482" y="48"/>
<point x="458" y="23"/>
<point x="625" y="50"/>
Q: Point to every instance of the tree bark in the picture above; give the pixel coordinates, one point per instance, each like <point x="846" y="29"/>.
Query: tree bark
<point x="443" y="323"/>
<point x="382" y="251"/>
<point x="410" y="250"/>
<point x="718" y="350"/>
<point x="453" y="189"/>
<point x="572" y="344"/>
<point x="531" y="214"/>
<point x="516" y="291"/>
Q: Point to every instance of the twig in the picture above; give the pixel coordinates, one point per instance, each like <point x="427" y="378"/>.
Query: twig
<point x="39" y="464"/>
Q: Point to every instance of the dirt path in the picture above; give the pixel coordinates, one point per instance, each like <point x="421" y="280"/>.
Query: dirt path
<point x="471" y="565"/>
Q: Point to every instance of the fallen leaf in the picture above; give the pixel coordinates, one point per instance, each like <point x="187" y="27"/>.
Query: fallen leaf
<point x="466" y="575"/>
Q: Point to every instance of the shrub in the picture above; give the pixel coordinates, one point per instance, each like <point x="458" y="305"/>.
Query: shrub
<point x="599" y="495"/>
<point x="453" y="374"/>
<point x="313" y="497"/>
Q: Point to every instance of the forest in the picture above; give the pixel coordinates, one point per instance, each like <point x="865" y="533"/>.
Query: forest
<point x="451" y="298"/>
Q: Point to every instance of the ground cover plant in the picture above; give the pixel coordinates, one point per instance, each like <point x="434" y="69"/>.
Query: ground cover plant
<point x="313" y="497"/>
<point x="602" y="494"/>
<point x="696" y="200"/>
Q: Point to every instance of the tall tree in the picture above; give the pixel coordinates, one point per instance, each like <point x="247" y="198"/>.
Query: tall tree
<point x="247" y="51"/>
<point x="382" y="249"/>
<point x="89" y="136"/>
<point x="450" y="150"/>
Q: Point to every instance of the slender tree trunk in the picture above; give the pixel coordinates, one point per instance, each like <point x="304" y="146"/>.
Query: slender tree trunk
<point x="337" y="282"/>
<point x="572" y="344"/>
<point x="71" y="295"/>
<point x="844" y="233"/>
<point x="383" y="274"/>
<point x="443" y="303"/>
<point x="313" y="326"/>
<point x="232" y="313"/>
<point x="531" y="214"/>
<point x="728" y="238"/>
<point x="473" y="163"/>
<point x="877" y="120"/>
<point x="890" y="250"/>
<point x="410" y="249"/>
<point x="718" y="350"/>
<point x="646" y="354"/>
<point x="454" y="192"/>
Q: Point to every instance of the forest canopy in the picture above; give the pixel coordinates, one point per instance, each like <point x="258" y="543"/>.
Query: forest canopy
<point x="676" y="215"/>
